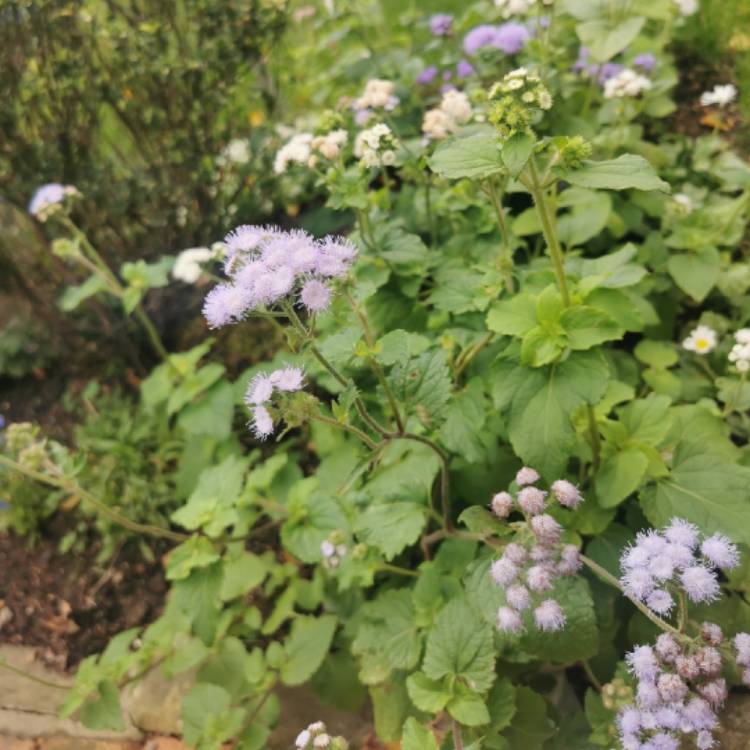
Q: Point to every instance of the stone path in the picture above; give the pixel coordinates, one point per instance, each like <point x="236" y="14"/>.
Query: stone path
<point x="29" y="720"/>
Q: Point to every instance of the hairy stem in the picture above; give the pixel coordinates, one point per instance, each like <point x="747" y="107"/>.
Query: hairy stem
<point x="445" y="502"/>
<point x="397" y="569"/>
<point x="506" y="255"/>
<point x="364" y="437"/>
<point x="64" y="483"/>
<point x="607" y="577"/>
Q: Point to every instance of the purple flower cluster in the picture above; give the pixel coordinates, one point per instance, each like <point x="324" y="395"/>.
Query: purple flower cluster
<point x="260" y="391"/>
<point x="679" y="691"/>
<point x="602" y="73"/>
<point x="529" y="566"/>
<point x="659" y="563"/>
<point x="510" y="37"/>
<point x="441" y="24"/>
<point x="267" y="266"/>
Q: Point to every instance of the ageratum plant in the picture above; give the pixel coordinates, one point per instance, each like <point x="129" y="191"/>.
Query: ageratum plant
<point x="497" y="485"/>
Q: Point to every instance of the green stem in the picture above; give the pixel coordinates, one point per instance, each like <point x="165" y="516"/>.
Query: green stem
<point x="506" y="255"/>
<point x="388" y="568"/>
<point x="549" y="232"/>
<point x="465" y="359"/>
<point x="457" y="742"/>
<point x="607" y="577"/>
<point x="151" y="332"/>
<point x="364" y="437"/>
<point x="74" y="488"/>
<point x="444" y="477"/>
<point x="594" y="439"/>
<point x="370" y="341"/>
<point x="682" y="616"/>
<point x="428" y="210"/>
<point x="593" y="679"/>
<point x="40" y="680"/>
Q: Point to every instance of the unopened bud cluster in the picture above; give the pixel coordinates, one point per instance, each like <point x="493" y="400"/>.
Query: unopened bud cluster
<point x="515" y="102"/>
<point x="661" y="563"/>
<point x="316" y="737"/>
<point x="679" y="692"/>
<point x="376" y="146"/>
<point x="529" y="566"/>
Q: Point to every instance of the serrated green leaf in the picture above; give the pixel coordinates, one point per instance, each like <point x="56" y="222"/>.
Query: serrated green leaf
<point x="426" y="694"/>
<point x="695" y="273"/>
<point x="624" y="172"/>
<point x="391" y="526"/>
<point x="464" y="419"/>
<point x="417" y="737"/>
<point x="306" y="647"/>
<point x="459" y="645"/>
<point x="468" y="708"/>
<point x="476" y="156"/>
<point x="196" y="552"/>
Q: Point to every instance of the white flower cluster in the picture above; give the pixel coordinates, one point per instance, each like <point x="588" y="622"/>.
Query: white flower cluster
<point x="529" y="566"/>
<point x="684" y="201"/>
<point x="333" y="550"/>
<point x="187" y="266"/>
<point x="721" y="96"/>
<point x="454" y="110"/>
<point x="331" y="144"/>
<point x="686" y="7"/>
<point x="378" y="94"/>
<point x="739" y="356"/>
<point x="237" y="151"/>
<point x="376" y="146"/>
<point x="701" y="340"/>
<point x="518" y="7"/>
<point x="535" y="92"/>
<point x="661" y="564"/>
<point x="316" y="737"/>
<point x="627" y="83"/>
<point x="296" y="151"/>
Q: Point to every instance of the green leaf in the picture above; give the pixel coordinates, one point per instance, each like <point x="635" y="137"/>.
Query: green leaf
<point x="388" y="632"/>
<point x="423" y="384"/>
<point x="464" y="419"/>
<point x="531" y="725"/>
<point x="103" y="712"/>
<point x="196" y="552"/>
<point x="391" y="526"/>
<point x="695" y="273"/>
<point x="514" y="316"/>
<point x="501" y="703"/>
<point x="306" y="647"/>
<point x="208" y="717"/>
<point x="426" y="694"/>
<point x="399" y="346"/>
<point x="540" y="403"/>
<point x="704" y="488"/>
<point x="193" y="384"/>
<point x="605" y="40"/>
<point x="619" y="476"/>
<point x="75" y="295"/>
<point x="585" y="327"/>
<point x="624" y="172"/>
<point x="475" y="156"/>
<point x="241" y="574"/>
<point x="459" y="646"/>
<point x="590" y="211"/>
<point x="659" y="354"/>
<point x="390" y="707"/>
<point x="469" y="709"/>
<point x="417" y="737"/>
<point x="516" y="152"/>
<point x="211" y="505"/>
<point x="212" y="415"/>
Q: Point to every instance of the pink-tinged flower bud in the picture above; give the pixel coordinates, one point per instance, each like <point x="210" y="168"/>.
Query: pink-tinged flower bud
<point x="515" y="553"/>
<point x="742" y="644"/>
<point x="531" y="500"/>
<point x="541" y="554"/>
<point x="526" y="475"/>
<point x="503" y="572"/>
<point x="549" y="616"/>
<point x="667" y="648"/>
<point x="569" y="560"/>
<point x="518" y="598"/>
<point x="687" y="667"/>
<point x="708" y="660"/>
<point x="509" y="621"/>
<point x="539" y="578"/>
<point x="671" y="688"/>
<point x="546" y="529"/>
<point x="567" y="494"/>
<point x="637" y="583"/>
<point x="711" y="633"/>
<point x="502" y="504"/>
<point x="715" y="692"/>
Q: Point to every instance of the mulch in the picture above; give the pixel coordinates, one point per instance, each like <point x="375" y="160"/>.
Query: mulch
<point x="68" y="606"/>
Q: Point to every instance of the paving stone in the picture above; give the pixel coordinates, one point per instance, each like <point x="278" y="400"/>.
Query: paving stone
<point x="165" y="743"/>
<point x="12" y="743"/>
<point x="77" y="743"/>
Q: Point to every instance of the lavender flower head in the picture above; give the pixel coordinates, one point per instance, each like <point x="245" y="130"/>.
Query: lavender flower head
<point x="441" y="24"/>
<point x="510" y="37"/>
<point x="646" y="61"/>
<point x="260" y="392"/>
<point x="662" y="562"/>
<point x="267" y="266"/>
<point x="427" y="76"/>
<point x="49" y="198"/>
<point x="464" y="69"/>
<point x="530" y="565"/>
